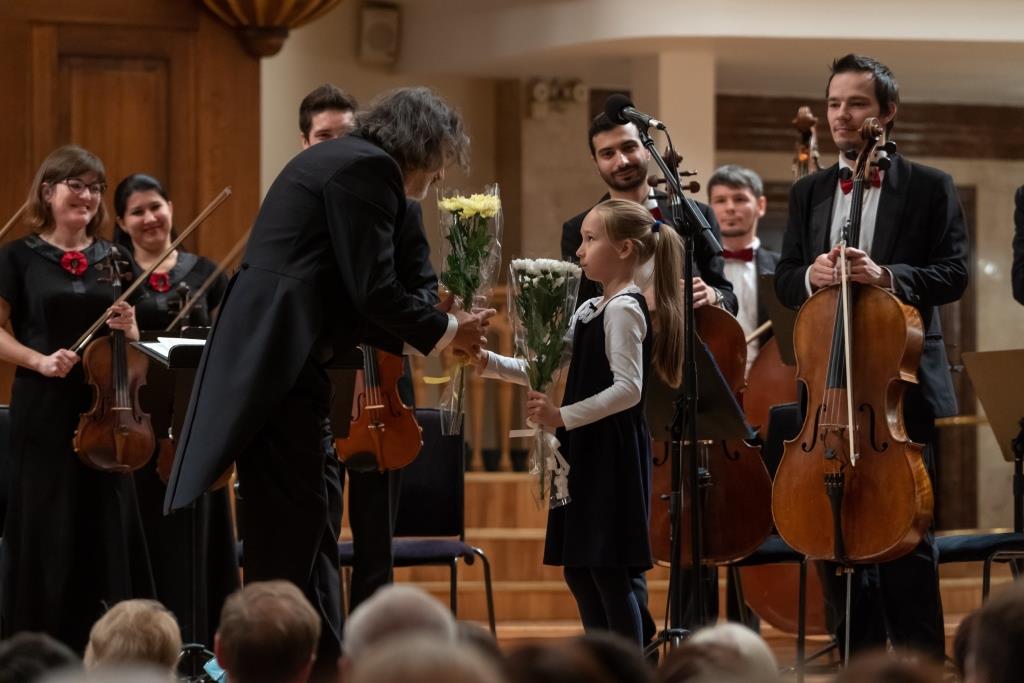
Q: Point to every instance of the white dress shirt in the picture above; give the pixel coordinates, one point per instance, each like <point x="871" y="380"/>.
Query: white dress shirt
<point x="624" y="331"/>
<point x="743" y="276"/>
<point x="841" y="204"/>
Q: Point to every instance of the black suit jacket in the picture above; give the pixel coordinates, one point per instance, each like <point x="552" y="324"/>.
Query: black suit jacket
<point x="318" y="270"/>
<point x="412" y="265"/>
<point x="920" y="236"/>
<point x="766" y="260"/>
<point x="710" y="267"/>
<point x="1017" y="273"/>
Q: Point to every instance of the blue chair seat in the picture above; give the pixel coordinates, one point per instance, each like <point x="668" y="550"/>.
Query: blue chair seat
<point x="773" y="551"/>
<point x="412" y="552"/>
<point x="977" y="547"/>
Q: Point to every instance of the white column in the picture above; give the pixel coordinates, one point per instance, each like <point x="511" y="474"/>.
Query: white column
<point x="678" y="87"/>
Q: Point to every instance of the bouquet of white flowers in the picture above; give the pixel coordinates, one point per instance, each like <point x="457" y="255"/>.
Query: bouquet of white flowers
<point x="471" y="228"/>
<point x="542" y="298"/>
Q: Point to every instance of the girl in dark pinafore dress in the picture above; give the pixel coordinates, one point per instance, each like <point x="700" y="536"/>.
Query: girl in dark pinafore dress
<point x="601" y="536"/>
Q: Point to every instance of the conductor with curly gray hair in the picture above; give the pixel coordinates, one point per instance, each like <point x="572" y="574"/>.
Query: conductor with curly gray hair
<point x="318" y="271"/>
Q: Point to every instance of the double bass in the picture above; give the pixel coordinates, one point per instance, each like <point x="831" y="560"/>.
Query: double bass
<point x="852" y="487"/>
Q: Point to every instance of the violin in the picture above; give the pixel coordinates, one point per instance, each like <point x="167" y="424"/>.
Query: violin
<point x="115" y="435"/>
<point x="733" y="480"/>
<point x="384" y="434"/>
<point x="190" y="302"/>
<point x="852" y="487"/>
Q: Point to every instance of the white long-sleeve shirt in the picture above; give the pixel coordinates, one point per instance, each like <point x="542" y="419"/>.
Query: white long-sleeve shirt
<point x="624" y="331"/>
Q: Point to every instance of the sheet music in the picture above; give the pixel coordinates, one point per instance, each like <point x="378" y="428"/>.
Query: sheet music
<point x="163" y="345"/>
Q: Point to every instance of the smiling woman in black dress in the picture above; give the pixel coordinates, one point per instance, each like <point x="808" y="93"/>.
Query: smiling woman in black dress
<point x="73" y="540"/>
<point x="144" y="225"/>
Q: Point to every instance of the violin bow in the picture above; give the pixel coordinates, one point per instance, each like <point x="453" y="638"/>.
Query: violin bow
<point x="221" y="267"/>
<point x="211" y="207"/>
<point x="13" y="221"/>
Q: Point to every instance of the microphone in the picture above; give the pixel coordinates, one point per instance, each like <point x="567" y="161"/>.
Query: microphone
<point x="620" y="110"/>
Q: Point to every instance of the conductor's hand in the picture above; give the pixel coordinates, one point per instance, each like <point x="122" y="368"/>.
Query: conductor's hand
<point x="823" y="271"/>
<point x="57" y="364"/>
<point x="866" y="271"/>
<point x="541" y="411"/>
<point x="470" y="336"/>
<point x="122" y="317"/>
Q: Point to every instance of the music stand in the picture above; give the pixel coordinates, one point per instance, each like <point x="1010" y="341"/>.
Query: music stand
<point x="783" y="318"/>
<point x="719" y="416"/>
<point x="997" y="377"/>
<point x="176" y="371"/>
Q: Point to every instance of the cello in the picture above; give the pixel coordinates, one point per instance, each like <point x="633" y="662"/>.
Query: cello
<point x="384" y="434"/>
<point x="852" y="488"/>
<point x="734" y="483"/>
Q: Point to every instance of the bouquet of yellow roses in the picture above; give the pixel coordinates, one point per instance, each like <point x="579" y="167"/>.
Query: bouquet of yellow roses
<point x="471" y="252"/>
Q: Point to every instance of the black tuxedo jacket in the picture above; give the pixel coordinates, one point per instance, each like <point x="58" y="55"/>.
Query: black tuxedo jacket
<point x="710" y="267"/>
<point x="766" y="260"/>
<point x="1017" y="273"/>
<point x="920" y="236"/>
<point x="317" y="272"/>
<point x="412" y="265"/>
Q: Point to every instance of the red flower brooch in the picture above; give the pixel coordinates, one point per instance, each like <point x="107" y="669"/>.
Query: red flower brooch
<point x="159" y="282"/>
<point x="74" y="262"/>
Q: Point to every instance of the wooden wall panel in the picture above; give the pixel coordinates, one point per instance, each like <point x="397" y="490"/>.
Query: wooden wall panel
<point x="922" y="129"/>
<point x="119" y="108"/>
<point x="228" y="135"/>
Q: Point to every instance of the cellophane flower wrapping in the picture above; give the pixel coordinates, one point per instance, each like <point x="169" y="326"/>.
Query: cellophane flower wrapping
<point x="542" y="299"/>
<point x="471" y="256"/>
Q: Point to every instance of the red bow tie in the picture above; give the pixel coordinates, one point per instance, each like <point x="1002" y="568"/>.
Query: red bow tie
<point x="739" y="254"/>
<point x="874" y="177"/>
<point x="656" y="213"/>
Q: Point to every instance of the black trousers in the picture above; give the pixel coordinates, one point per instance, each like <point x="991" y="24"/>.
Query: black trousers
<point x="291" y="489"/>
<point x="899" y="600"/>
<point x="372" y="510"/>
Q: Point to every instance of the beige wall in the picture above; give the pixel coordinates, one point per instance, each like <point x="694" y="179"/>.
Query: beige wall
<point x="325" y="51"/>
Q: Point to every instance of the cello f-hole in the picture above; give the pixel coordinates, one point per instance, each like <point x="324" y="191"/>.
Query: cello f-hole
<point x="817" y="421"/>
<point x="867" y="407"/>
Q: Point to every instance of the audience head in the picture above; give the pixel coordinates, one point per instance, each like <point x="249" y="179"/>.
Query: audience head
<point x="135" y="632"/>
<point x="423" y="658"/>
<point x="727" y="653"/>
<point x="996" y="649"/>
<point x="557" y="663"/>
<point x="480" y="639"/>
<point x="326" y="113"/>
<point x="114" y="673"/>
<point x="28" y="657"/>
<point x="882" y="667"/>
<point x="962" y="643"/>
<point x="396" y="610"/>
<point x="268" y="634"/>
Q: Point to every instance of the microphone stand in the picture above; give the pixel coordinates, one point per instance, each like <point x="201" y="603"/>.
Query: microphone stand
<point x="684" y="423"/>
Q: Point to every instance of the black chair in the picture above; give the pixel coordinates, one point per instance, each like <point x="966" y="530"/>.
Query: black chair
<point x="430" y="528"/>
